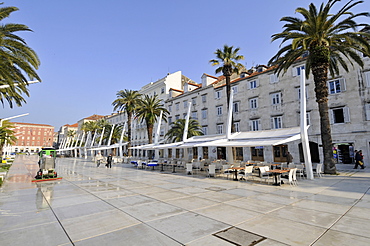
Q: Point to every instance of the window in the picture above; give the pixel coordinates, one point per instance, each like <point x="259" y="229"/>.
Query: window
<point x="204" y="113"/>
<point x="275" y="98"/>
<point x="162" y="90"/>
<point x="205" y="130"/>
<point x="204" y="98"/>
<point x="169" y="120"/>
<point x="219" y="110"/>
<point x="276" y="122"/>
<point x="234" y="89"/>
<point x="218" y="94"/>
<point x="220" y="128"/>
<point x="186" y="104"/>
<point x="299" y="93"/>
<point x="297" y="70"/>
<point x="336" y="86"/>
<point x="177" y="117"/>
<point x="339" y="115"/>
<point x="170" y="108"/>
<point x="184" y="115"/>
<point x="237" y="126"/>
<point x="177" y="106"/>
<point x="253" y="84"/>
<point x="255" y="125"/>
<point x="274" y="78"/>
<point x="253" y="103"/>
<point x="194" y="101"/>
<point x="194" y="115"/>
<point x="236" y="107"/>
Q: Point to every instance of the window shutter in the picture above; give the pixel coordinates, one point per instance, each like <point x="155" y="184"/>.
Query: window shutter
<point x="250" y="125"/>
<point x="294" y="71"/>
<point x="367" y="111"/>
<point x="346" y="114"/>
<point x="272" y="123"/>
<point x="257" y="83"/>
<point x="272" y="78"/>
<point x="259" y="125"/>
<point x="331" y="116"/>
<point x="342" y="84"/>
<point x="367" y="78"/>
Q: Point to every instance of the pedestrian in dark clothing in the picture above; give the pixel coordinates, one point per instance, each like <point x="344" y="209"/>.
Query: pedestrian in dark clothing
<point x="359" y="159"/>
<point x="109" y="161"/>
<point x="289" y="158"/>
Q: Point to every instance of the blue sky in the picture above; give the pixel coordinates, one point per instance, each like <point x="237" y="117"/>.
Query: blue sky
<point x="91" y="49"/>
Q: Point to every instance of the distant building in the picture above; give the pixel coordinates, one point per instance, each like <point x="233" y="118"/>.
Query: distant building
<point x="32" y="137"/>
<point x="63" y="132"/>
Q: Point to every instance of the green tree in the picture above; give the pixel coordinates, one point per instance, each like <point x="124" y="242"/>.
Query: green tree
<point x="228" y="61"/>
<point x="149" y="111"/>
<point x="18" y="62"/>
<point x="6" y="134"/>
<point x="127" y="101"/>
<point x="327" y="41"/>
<point x="176" y="133"/>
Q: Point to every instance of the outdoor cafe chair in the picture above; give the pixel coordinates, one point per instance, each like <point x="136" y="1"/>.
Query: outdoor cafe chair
<point x="189" y="168"/>
<point x="265" y="175"/>
<point x="300" y="170"/>
<point x="318" y="172"/>
<point x="139" y="164"/>
<point x="247" y="172"/>
<point x="226" y="170"/>
<point x="292" y="178"/>
<point x="211" y="170"/>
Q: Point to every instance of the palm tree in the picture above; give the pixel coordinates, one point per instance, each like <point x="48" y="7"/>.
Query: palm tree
<point x="176" y="133"/>
<point x="227" y="60"/>
<point x="127" y="101"/>
<point x="326" y="40"/>
<point x="6" y="134"/>
<point x="149" y="111"/>
<point x="17" y="60"/>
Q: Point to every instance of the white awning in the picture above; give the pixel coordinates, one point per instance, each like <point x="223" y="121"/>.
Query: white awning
<point x="257" y="138"/>
<point x="113" y="146"/>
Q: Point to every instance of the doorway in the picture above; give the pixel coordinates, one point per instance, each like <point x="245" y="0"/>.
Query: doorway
<point x="257" y="153"/>
<point x="221" y="153"/>
<point x="280" y="153"/>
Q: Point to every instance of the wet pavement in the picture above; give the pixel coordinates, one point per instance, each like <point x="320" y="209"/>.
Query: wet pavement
<point x="127" y="206"/>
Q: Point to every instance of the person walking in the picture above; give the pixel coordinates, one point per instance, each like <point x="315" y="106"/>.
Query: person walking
<point x="98" y="159"/>
<point x="359" y="159"/>
<point x="109" y="161"/>
<point x="289" y="158"/>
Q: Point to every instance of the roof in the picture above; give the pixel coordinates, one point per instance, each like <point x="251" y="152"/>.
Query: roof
<point x="94" y="117"/>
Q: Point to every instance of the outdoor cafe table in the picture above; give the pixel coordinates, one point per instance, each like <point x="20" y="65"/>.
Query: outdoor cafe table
<point x="152" y="164"/>
<point x="277" y="172"/>
<point x="235" y="170"/>
<point x="275" y="165"/>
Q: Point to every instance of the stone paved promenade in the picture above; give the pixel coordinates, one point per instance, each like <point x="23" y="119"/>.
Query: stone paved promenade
<point x="126" y="206"/>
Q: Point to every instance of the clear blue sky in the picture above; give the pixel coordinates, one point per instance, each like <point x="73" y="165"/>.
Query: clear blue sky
<point x="91" y="49"/>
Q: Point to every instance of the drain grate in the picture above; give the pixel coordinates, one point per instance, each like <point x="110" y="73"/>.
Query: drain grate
<point x="240" y="237"/>
<point x="214" y="188"/>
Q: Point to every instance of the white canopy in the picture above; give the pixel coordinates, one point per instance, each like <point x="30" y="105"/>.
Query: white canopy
<point x="257" y="138"/>
<point x="113" y="146"/>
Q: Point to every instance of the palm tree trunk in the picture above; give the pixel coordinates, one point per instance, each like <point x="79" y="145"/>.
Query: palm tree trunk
<point x="320" y="77"/>
<point x="129" y="129"/>
<point x="150" y="132"/>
